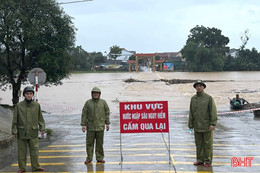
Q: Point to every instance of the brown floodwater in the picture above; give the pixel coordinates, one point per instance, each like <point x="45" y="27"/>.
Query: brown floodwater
<point x="70" y="97"/>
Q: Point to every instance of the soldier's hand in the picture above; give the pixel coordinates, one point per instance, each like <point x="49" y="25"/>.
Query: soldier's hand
<point x="15" y="136"/>
<point x="83" y="129"/>
<point x="107" y="127"/>
<point x="211" y="128"/>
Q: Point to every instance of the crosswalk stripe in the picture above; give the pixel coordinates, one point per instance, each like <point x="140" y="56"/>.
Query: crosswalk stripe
<point x="134" y="163"/>
<point x="110" y="163"/>
<point x="34" y="172"/>
<point x="144" y="149"/>
<point x="43" y="164"/>
<point x="107" y="155"/>
<point x="138" y="155"/>
<point x="149" y="171"/>
<point x="112" y="149"/>
<point x="143" y="144"/>
<point x="216" y="156"/>
<point x="193" y="144"/>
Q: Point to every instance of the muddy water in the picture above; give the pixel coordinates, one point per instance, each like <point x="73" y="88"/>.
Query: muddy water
<point x="70" y="97"/>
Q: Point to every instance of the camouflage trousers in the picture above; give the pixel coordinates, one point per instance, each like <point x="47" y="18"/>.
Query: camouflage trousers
<point x="204" y="146"/>
<point x="33" y="145"/>
<point x="95" y="137"/>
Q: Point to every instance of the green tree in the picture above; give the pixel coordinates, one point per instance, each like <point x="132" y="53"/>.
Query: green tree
<point x="80" y="58"/>
<point x="34" y="33"/>
<point x="205" y="49"/>
<point x="115" y="51"/>
<point x="247" y="60"/>
<point x="98" y="58"/>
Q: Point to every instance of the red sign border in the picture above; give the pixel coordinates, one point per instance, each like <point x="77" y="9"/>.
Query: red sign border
<point x="149" y="131"/>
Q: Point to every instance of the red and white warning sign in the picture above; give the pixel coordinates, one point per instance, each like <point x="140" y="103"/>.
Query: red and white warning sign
<point x="144" y="117"/>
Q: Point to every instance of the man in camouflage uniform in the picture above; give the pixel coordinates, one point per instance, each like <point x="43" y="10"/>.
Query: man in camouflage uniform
<point x="27" y="120"/>
<point x="95" y="115"/>
<point x="203" y="118"/>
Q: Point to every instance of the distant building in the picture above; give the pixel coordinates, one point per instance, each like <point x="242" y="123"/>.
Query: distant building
<point x="233" y="52"/>
<point x="173" y="57"/>
<point x="125" y="55"/>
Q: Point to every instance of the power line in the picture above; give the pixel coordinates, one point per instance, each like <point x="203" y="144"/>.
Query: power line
<point x="73" y="2"/>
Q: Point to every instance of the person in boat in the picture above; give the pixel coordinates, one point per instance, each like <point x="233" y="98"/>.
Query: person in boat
<point x="239" y="101"/>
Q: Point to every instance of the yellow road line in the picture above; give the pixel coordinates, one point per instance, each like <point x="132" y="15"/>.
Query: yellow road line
<point x="143" y="149"/>
<point x="234" y="150"/>
<point x="151" y="171"/>
<point x="43" y="164"/>
<point x="34" y="172"/>
<point x="110" y="163"/>
<point x="107" y="155"/>
<point x="136" y="163"/>
<point x="193" y="144"/>
<point x="161" y="144"/>
<point x="139" y="155"/>
<point x="215" y="163"/>
<point x="159" y="171"/>
<point x="115" y="149"/>
<point x="172" y="159"/>
<point x="58" y="146"/>
<point x="216" y="156"/>
<point x="142" y="144"/>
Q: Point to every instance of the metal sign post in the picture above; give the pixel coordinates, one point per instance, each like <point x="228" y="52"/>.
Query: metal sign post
<point x="37" y="77"/>
<point x="36" y="85"/>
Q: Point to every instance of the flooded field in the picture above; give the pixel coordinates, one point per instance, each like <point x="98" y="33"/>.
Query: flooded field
<point x="70" y="97"/>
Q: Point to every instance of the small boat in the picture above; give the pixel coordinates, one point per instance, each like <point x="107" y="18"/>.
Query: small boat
<point x="237" y="102"/>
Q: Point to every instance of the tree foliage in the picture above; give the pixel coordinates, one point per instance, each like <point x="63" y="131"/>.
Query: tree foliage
<point x="97" y="58"/>
<point x="82" y="60"/>
<point x="247" y="60"/>
<point x="205" y="49"/>
<point x="115" y="51"/>
<point x="34" y="33"/>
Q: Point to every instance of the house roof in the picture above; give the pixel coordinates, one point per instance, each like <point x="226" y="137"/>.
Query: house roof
<point x="145" y="54"/>
<point x="169" y="54"/>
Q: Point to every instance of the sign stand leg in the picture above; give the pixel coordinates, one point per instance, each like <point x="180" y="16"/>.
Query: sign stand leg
<point x="169" y="144"/>
<point x="121" y="153"/>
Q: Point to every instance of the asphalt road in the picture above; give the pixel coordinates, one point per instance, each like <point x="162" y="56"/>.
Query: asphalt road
<point x="236" y="136"/>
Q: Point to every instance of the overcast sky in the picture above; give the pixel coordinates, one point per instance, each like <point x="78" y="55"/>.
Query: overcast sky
<point x="148" y="26"/>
